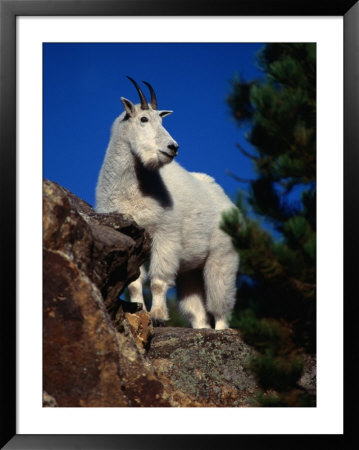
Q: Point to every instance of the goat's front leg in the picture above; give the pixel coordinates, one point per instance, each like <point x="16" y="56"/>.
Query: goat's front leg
<point x="163" y="270"/>
<point x="159" y="311"/>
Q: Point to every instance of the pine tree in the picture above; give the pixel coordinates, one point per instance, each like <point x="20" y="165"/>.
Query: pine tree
<point x="277" y="292"/>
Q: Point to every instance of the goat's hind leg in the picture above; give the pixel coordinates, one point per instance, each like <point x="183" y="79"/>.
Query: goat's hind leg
<point x="220" y="273"/>
<point x="190" y="292"/>
<point x="135" y="289"/>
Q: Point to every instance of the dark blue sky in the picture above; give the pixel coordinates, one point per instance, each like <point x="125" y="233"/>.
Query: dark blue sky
<point x="83" y="84"/>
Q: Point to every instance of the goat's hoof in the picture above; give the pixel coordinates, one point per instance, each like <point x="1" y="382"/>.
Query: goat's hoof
<point x="159" y="315"/>
<point x="158" y="323"/>
<point x="221" y="324"/>
<point x="131" y="307"/>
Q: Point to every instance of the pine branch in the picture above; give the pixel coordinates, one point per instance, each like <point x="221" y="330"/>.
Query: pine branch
<point x="237" y="178"/>
<point x="246" y="153"/>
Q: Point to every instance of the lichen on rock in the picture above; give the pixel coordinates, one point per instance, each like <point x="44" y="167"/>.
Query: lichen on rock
<point x="206" y="366"/>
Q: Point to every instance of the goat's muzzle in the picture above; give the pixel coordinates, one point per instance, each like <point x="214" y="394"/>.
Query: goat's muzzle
<point x="173" y="148"/>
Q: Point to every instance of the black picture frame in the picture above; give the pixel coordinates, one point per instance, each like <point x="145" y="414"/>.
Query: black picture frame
<point x="9" y="10"/>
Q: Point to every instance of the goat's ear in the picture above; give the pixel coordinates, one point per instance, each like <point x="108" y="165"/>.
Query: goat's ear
<point x="165" y="113"/>
<point x="129" y="106"/>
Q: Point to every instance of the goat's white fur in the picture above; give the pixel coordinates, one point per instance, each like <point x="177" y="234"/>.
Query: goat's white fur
<point x="181" y="212"/>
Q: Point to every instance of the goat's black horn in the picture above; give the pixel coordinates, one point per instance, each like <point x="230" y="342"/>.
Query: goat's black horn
<point x="144" y="104"/>
<point x="153" y="95"/>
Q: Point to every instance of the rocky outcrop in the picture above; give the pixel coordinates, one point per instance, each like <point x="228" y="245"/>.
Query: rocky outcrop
<point x="202" y="367"/>
<point x="80" y="352"/>
<point x="100" y="351"/>
<point x="87" y="261"/>
<point x="109" y="248"/>
<point x="208" y="367"/>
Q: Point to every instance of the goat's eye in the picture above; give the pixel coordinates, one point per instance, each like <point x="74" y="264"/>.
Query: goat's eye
<point x="144" y="119"/>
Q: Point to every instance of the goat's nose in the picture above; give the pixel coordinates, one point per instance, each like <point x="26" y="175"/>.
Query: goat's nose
<point x="173" y="147"/>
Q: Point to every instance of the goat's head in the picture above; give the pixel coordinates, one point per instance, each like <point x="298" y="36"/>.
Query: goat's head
<point x="141" y="125"/>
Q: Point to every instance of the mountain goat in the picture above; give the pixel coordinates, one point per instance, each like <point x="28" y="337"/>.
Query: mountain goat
<point x="180" y="210"/>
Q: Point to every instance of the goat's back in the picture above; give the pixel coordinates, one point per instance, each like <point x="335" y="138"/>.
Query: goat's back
<point x="194" y="189"/>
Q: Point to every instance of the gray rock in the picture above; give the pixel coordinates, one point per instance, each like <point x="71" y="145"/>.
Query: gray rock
<point x="202" y="367"/>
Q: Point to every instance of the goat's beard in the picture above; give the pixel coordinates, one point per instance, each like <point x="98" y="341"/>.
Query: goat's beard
<point x="153" y="164"/>
<point x="154" y="160"/>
